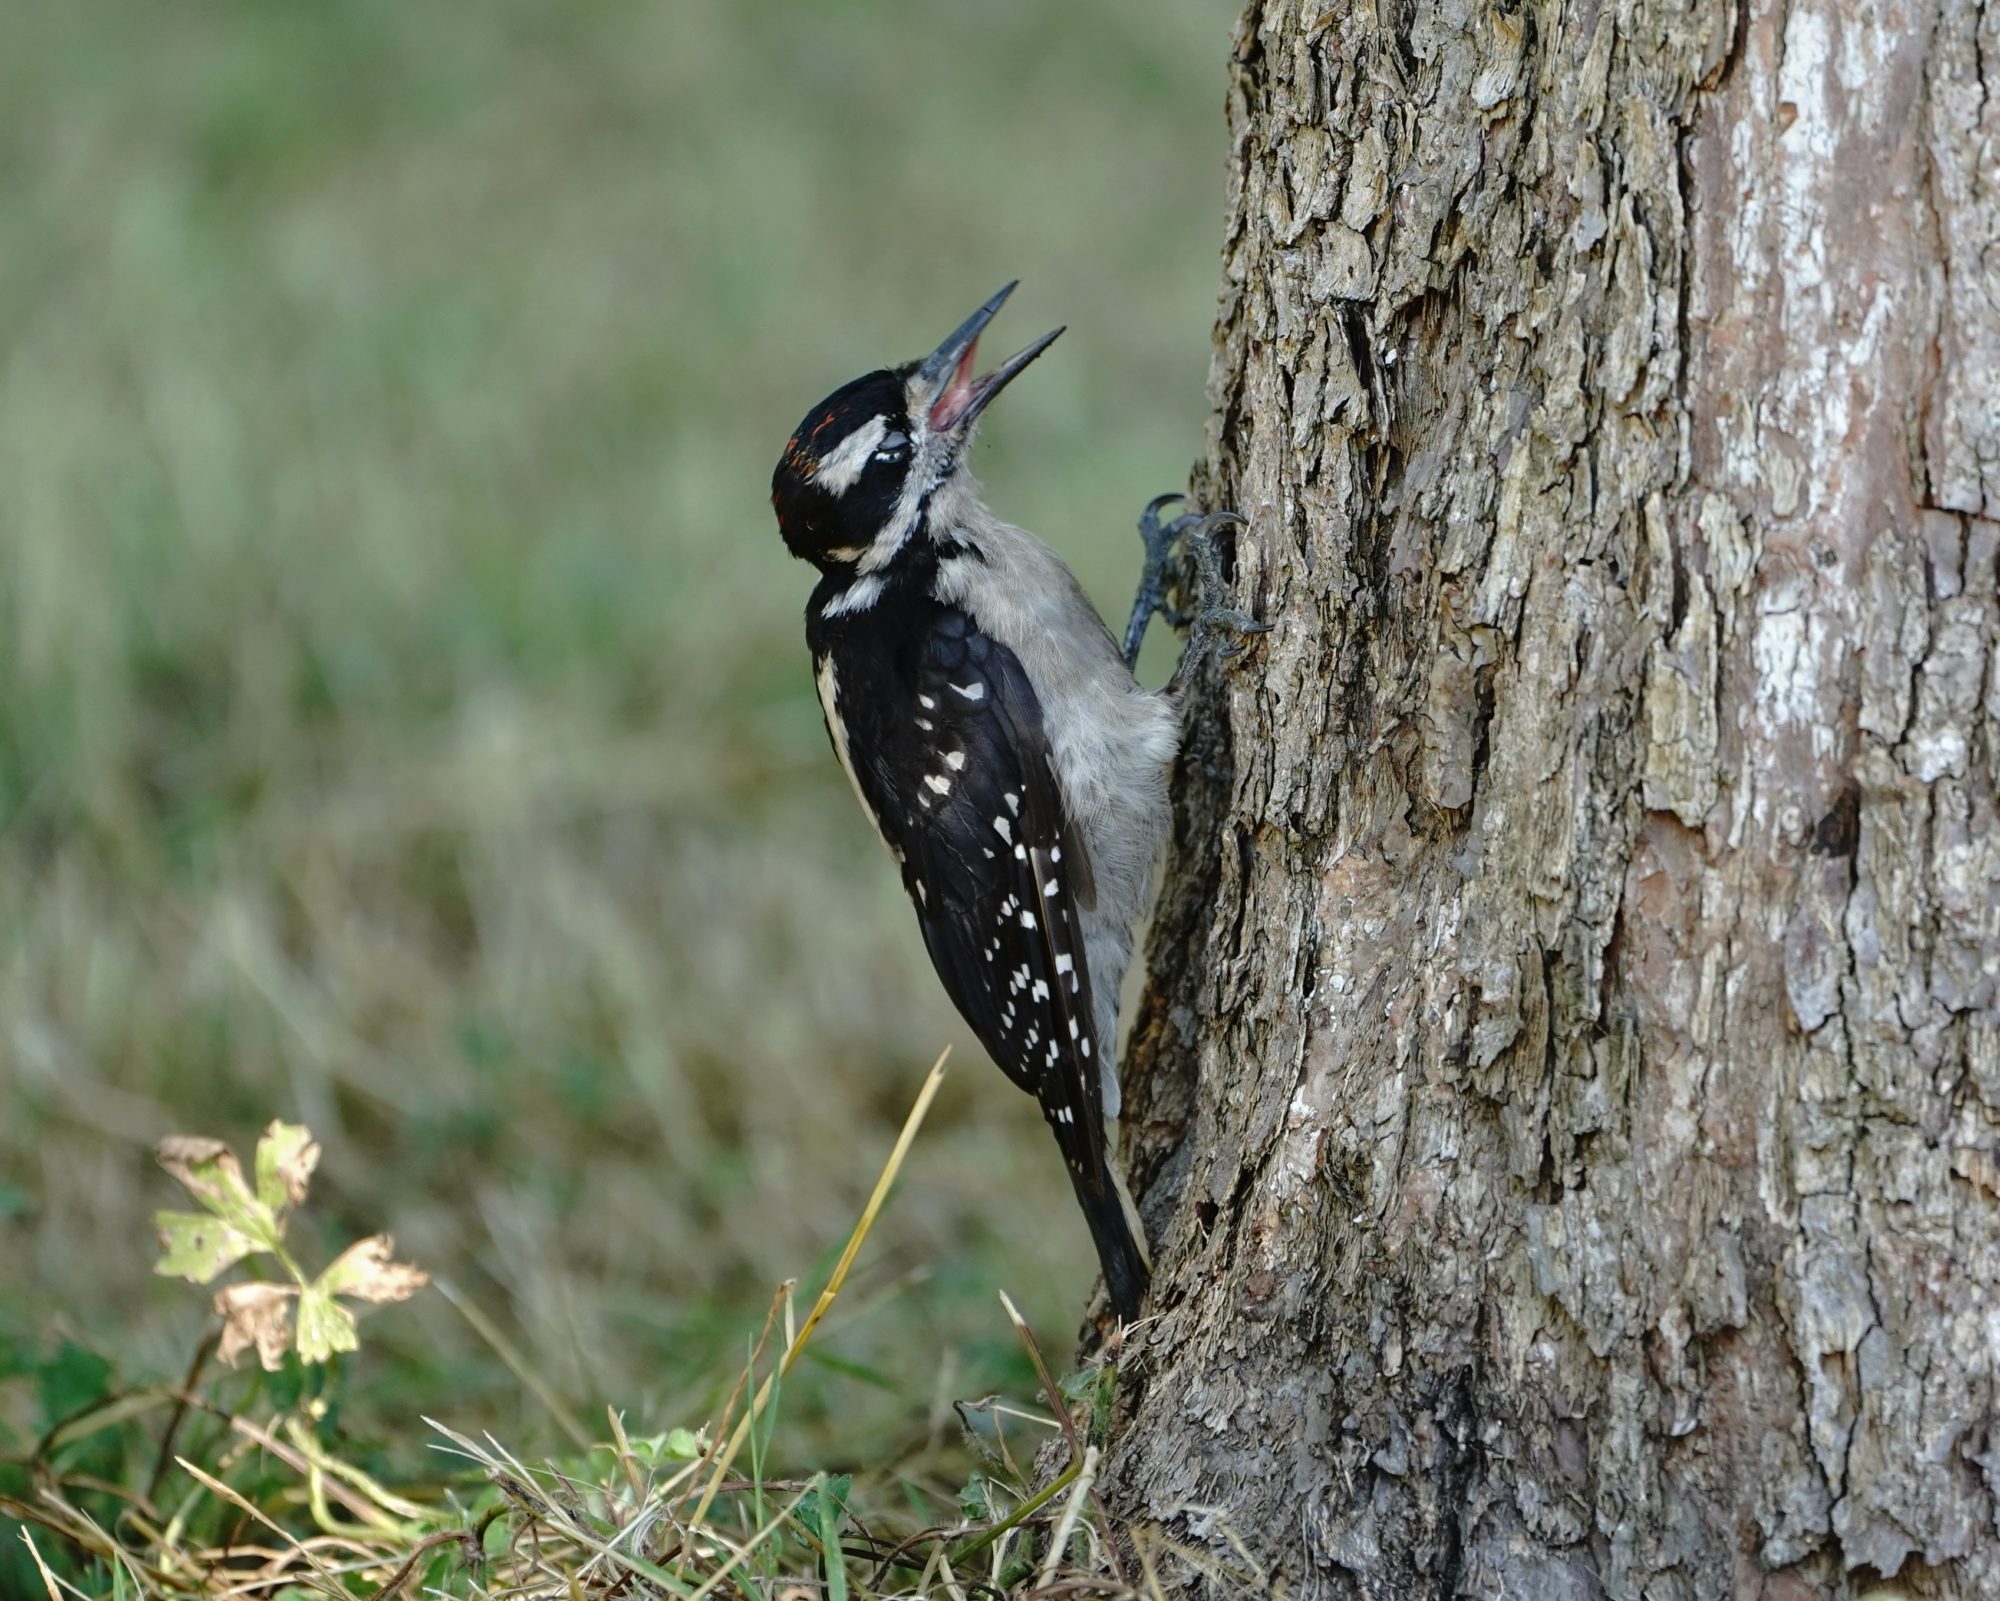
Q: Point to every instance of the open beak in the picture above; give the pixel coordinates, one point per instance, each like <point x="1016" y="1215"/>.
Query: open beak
<point x="960" y="396"/>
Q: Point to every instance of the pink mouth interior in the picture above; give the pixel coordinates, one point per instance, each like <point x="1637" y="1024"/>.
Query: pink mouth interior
<point x="960" y="393"/>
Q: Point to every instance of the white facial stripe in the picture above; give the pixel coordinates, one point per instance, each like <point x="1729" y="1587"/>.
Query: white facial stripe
<point x="902" y="521"/>
<point x="936" y="469"/>
<point x="836" y="473"/>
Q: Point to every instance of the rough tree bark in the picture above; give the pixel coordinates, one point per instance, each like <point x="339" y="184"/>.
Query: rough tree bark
<point x="1568" y="1091"/>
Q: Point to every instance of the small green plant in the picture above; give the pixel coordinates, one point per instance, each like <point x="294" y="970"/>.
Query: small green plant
<point x="238" y="1220"/>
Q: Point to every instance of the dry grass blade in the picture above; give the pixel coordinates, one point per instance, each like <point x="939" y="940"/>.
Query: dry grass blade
<point x="833" y="1284"/>
<point x="423" y="1548"/>
<point x="1086" y="1481"/>
<point x="939" y="1568"/>
<point x="215" y="1486"/>
<point x="48" y="1578"/>
<point x="723" y="1438"/>
<point x="1078" y="1452"/>
<point x="744" y="1552"/>
<point x="547" y="1522"/>
<point x="621" y="1449"/>
<point x="1057" y="1404"/>
<point x="63" y="1518"/>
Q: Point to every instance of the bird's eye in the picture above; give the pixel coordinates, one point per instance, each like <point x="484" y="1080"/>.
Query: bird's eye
<point x="893" y="450"/>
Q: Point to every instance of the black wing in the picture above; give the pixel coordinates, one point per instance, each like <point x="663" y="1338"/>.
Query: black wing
<point x="943" y="736"/>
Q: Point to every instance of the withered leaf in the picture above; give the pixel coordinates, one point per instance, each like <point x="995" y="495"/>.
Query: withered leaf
<point x="286" y="1157"/>
<point x="203" y="1165"/>
<point x="255" y="1314"/>
<point x="365" y="1272"/>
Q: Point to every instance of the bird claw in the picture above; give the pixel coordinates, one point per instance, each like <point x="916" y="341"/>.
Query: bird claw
<point x="1209" y="617"/>
<point x="1212" y="617"/>
<point x="1154" y="577"/>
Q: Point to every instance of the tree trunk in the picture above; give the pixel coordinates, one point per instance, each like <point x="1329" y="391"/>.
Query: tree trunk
<point x="1567" y="1098"/>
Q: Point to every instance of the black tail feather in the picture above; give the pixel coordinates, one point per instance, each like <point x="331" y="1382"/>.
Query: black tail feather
<point x="1126" y="1274"/>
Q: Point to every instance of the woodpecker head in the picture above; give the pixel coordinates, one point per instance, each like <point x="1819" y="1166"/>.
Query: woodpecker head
<point x="855" y="478"/>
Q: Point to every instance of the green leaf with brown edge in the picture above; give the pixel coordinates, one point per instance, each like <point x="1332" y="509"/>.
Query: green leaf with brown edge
<point x="286" y="1157"/>
<point x="198" y="1246"/>
<point x="324" y="1325"/>
<point x="365" y="1271"/>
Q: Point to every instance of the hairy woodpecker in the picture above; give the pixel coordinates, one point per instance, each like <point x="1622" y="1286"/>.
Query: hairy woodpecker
<point x="995" y="736"/>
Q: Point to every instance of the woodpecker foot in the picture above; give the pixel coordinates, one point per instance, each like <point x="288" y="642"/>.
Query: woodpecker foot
<point x="1157" y="575"/>
<point x="1214" y="621"/>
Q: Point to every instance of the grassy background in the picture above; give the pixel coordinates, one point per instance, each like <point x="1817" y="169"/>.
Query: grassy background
<point x="407" y="725"/>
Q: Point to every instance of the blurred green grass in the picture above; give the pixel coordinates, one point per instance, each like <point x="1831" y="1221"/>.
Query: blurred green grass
<point x="407" y="726"/>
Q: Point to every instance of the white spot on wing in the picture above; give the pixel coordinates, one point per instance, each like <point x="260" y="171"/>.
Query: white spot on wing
<point x="954" y="759"/>
<point x="972" y="691"/>
<point x="1001" y="827"/>
<point x="938" y="783"/>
